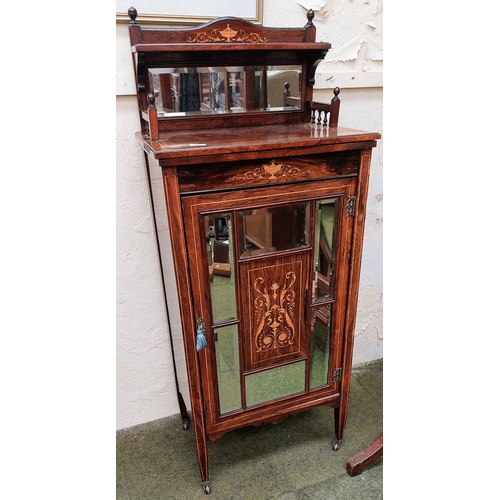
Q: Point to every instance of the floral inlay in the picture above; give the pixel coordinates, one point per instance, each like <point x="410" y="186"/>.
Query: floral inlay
<point x="270" y="171"/>
<point x="226" y="35"/>
<point x="274" y="311"/>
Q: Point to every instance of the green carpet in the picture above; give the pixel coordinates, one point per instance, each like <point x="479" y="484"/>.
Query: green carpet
<point x="292" y="460"/>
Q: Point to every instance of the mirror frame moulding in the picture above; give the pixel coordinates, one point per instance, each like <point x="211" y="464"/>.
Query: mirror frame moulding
<point x="183" y="20"/>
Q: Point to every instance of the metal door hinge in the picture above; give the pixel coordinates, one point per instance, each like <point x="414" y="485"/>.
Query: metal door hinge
<point x="350" y="207"/>
<point x="337" y="375"/>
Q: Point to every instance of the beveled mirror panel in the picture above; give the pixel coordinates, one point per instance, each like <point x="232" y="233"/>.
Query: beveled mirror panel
<point x="220" y="257"/>
<point x="275" y="383"/>
<point x="225" y="89"/>
<point x="320" y="345"/>
<point x="273" y="229"/>
<point x="228" y="368"/>
<point x="325" y="237"/>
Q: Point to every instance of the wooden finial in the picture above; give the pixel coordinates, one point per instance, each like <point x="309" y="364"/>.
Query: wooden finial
<point x="310" y="17"/>
<point x="153" y="129"/>
<point x="286" y="94"/>
<point x="335" y="108"/>
<point x="132" y="13"/>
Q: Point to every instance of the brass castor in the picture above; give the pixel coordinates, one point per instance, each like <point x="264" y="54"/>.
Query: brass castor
<point x="206" y="487"/>
<point x="336" y="444"/>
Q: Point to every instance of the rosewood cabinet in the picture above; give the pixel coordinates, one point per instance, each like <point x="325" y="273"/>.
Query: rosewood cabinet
<point x="264" y="198"/>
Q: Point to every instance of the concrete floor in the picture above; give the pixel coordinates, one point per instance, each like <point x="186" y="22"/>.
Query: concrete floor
<point x="288" y="461"/>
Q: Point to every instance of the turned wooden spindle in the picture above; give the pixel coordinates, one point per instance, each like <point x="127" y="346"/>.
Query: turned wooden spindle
<point x="151" y="101"/>
<point x="286" y="93"/>
<point x="319" y="111"/>
<point x="335" y="108"/>
<point x="153" y="118"/>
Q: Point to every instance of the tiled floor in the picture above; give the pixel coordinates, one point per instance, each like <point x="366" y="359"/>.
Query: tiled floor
<point x="288" y="461"/>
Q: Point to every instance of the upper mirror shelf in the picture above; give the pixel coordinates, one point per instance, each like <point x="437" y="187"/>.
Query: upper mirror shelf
<point x="225" y="73"/>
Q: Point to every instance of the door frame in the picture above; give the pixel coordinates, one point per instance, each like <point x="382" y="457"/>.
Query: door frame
<point x="197" y="205"/>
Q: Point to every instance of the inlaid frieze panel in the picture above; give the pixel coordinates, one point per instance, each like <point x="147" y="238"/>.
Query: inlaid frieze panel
<point x="270" y="171"/>
<point x="226" y="35"/>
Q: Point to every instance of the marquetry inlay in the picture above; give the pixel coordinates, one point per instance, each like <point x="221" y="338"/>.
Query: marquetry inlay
<point x="274" y="313"/>
<point x="226" y="35"/>
<point x="270" y="171"/>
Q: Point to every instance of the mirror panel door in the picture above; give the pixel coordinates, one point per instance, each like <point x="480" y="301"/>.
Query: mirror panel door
<point x="268" y="290"/>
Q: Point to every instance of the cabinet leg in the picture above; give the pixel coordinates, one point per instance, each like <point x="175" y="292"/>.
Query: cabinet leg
<point x="340" y="418"/>
<point x="201" y="443"/>
<point x="184" y="413"/>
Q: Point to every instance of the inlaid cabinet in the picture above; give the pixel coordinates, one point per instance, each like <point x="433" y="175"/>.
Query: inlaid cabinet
<point x="264" y="198"/>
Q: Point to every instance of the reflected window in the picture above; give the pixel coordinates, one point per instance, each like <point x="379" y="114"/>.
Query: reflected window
<point x="320" y="345"/>
<point x="225" y="89"/>
<point x="220" y="257"/>
<point x="325" y="238"/>
<point x="268" y="230"/>
<point x="228" y="368"/>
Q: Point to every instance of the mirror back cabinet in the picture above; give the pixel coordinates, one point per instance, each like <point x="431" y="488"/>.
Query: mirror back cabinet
<point x="264" y="198"/>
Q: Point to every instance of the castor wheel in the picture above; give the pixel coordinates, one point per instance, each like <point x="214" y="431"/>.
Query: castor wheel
<point x="206" y="487"/>
<point x="336" y="444"/>
<point x="185" y="424"/>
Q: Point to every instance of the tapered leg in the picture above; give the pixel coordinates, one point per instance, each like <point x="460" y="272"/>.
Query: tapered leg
<point x="340" y="417"/>
<point x="201" y="450"/>
<point x="201" y="443"/>
<point x="184" y="413"/>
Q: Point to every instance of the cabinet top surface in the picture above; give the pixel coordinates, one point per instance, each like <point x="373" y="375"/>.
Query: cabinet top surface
<point x="188" y="143"/>
<point x="190" y="47"/>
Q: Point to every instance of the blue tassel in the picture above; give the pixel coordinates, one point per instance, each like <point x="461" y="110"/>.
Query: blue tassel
<point x="201" y="341"/>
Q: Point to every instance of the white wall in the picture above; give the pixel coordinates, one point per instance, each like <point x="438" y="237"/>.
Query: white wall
<point x="145" y="377"/>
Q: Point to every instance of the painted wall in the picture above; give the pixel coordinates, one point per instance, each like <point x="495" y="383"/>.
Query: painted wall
<point x="145" y="382"/>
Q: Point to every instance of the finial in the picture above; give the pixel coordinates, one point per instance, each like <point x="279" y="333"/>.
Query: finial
<point x="151" y="100"/>
<point x="336" y="92"/>
<point x="287" y="86"/>
<point x="310" y="17"/>
<point x="132" y="13"/>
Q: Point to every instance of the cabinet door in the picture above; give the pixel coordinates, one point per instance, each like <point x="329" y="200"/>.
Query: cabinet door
<point x="268" y="271"/>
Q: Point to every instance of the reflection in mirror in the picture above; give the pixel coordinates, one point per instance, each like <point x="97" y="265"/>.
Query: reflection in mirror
<point x="225" y="89"/>
<point x="275" y="383"/>
<point x="325" y="237"/>
<point x="228" y="368"/>
<point x="273" y="229"/>
<point x="219" y="241"/>
<point x="320" y="345"/>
